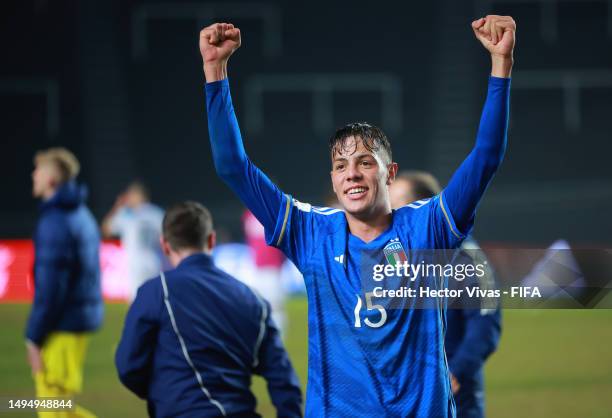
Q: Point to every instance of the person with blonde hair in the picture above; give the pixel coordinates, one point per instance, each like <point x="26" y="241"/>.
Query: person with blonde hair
<point x="67" y="294"/>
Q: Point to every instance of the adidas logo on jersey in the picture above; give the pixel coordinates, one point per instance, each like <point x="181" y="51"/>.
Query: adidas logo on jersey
<point x="340" y="259"/>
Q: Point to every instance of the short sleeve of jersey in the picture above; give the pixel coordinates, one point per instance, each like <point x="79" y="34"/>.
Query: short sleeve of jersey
<point x="297" y="229"/>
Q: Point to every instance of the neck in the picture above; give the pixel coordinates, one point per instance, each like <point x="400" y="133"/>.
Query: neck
<point x="370" y="229"/>
<point x="177" y="256"/>
<point x="48" y="194"/>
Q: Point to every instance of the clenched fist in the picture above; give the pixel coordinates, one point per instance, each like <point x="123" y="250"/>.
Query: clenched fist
<point x="497" y="35"/>
<point x="217" y="43"/>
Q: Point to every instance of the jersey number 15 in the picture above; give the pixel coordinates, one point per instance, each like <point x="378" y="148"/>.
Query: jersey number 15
<point x="369" y="306"/>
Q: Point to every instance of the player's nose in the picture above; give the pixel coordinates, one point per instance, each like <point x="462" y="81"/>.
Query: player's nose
<point x="353" y="172"/>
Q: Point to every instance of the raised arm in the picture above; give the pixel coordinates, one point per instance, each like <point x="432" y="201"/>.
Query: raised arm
<point x="217" y="43"/>
<point x="468" y="184"/>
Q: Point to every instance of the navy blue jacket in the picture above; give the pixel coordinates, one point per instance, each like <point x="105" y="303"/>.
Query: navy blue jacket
<point x="67" y="292"/>
<point x="192" y="340"/>
<point x="472" y="335"/>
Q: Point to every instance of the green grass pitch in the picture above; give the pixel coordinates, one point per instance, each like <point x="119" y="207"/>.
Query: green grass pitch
<point x="550" y="363"/>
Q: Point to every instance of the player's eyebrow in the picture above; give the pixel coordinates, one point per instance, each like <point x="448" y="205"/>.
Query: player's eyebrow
<point x="358" y="156"/>
<point x="364" y="155"/>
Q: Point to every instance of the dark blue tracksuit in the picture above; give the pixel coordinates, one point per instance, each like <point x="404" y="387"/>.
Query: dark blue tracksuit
<point x="192" y="340"/>
<point x="472" y="335"/>
<point x="68" y="296"/>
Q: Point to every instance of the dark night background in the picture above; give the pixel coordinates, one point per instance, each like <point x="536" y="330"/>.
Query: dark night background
<point x="121" y="84"/>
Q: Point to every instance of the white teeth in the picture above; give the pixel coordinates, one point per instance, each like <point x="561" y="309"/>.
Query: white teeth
<point x="356" y="190"/>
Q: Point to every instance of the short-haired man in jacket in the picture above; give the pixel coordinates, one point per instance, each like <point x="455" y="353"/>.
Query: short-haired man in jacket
<point x="68" y="298"/>
<point x="195" y="335"/>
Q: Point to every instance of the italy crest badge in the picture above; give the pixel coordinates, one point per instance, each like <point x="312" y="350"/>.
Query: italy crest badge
<point x="394" y="252"/>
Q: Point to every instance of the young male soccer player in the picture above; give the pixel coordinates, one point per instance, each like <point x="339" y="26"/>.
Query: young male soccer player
<point x="68" y="297"/>
<point x="364" y="360"/>
<point x="194" y="336"/>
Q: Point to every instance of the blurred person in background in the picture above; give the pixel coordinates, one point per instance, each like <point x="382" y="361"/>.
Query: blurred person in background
<point x="268" y="262"/>
<point x="245" y="261"/>
<point x="412" y="185"/>
<point x="203" y="331"/>
<point x="137" y="222"/>
<point x="67" y="293"/>
<point x="472" y="334"/>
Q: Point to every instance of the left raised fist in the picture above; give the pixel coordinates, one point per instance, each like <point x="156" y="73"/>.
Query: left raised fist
<point x="496" y="33"/>
<point x="218" y="42"/>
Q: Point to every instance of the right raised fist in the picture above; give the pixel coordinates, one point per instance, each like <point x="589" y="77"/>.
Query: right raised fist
<point x="218" y="41"/>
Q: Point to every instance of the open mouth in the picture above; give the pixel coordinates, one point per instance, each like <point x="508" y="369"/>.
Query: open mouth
<point x="356" y="192"/>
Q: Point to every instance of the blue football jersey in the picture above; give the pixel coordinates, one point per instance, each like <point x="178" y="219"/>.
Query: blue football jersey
<point x="367" y="358"/>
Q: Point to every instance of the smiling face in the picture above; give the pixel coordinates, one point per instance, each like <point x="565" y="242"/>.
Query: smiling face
<point x="360" y="178"/>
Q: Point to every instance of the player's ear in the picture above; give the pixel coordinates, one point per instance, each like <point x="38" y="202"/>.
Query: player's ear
<point x="211" y="242"/>
<point x="165" y="246"/>
<point x="54" y="180"/>
<point x="391" y="172"/>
